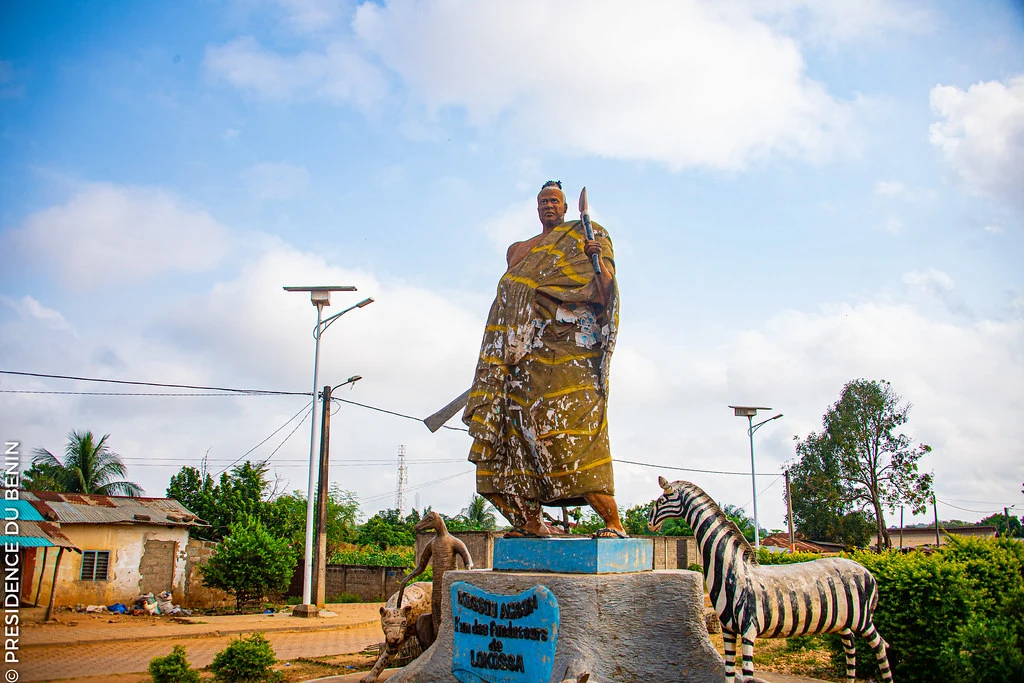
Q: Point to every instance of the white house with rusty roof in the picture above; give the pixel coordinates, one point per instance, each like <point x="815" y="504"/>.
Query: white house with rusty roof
<point x="127" y="547"/>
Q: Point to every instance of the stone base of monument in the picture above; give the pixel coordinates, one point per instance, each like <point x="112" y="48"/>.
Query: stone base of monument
<point x="620" y="628"/>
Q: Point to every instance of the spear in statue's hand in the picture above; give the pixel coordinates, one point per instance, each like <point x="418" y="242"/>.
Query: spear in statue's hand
<point x="585" y="217"/>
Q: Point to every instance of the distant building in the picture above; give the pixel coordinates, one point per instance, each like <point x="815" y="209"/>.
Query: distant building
<point x="922" y="536"/>
<point x="120" y="547"/>
<point x="801" y="545"/>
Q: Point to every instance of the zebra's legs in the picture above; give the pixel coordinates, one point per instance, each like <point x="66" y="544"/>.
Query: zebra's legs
<point x="878" y="645"/>
<point x="851" y="654"/>
<point x="730" y="654"/>
<point x="747" y="650"/>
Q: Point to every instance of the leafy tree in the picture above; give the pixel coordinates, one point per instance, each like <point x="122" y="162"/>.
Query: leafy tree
<point x="823" y="503"/>
<point x="250" y="561"/>
<point x="41" y="477"/>
<point x="387" y="529"/>
<point x="479" y="514"/>
<point x="739" y="516"/>
<point x="286" y="518"/>
<point x="89" y="466"/>
<point x="634" y="520"/>
<point x="1000" y="522"/>
<point x="875" y="467"/>
<point x="239" y="493"/>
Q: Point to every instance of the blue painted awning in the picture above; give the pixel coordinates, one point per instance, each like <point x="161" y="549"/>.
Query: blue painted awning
<point x="27" y="541"/>
<point x="21" y="509"/>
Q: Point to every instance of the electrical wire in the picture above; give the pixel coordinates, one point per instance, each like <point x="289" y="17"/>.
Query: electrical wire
<point x="128" y="393"/>
<point x="290" y="434"/>
<point x="155" y="384"/>
<point x="391" y="412"/>
<point x="692" y="469"/>
<point x="383" y="496"/>
<point x="304" y="408"/>
<point x="957" y="507"/>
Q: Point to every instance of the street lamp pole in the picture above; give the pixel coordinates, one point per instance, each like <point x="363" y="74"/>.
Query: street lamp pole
<point x="320" y="296"/>
<point x="749" y="412"/>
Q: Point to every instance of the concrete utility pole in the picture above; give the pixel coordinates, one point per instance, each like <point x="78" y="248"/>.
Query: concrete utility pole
<point x="789" y="506"/>
<point x="935" y="510"/>
<point x="320" y="576"/>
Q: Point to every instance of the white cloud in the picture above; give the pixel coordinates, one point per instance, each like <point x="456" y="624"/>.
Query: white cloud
<point x="931" y="280"/>
<point x="838" y="21"/>
<point x="276" y="180"/>
<point x="981" y="136"/>
<point x="679" y="83"/>
<point x="684" y="84"/>
<point x="890" y="188"/>
<point x="517" y="222"/>
<point x="310" y="15"/>
<point x="108" y="234"/>
<point x="994" y="229"/>
<point x="339" y="74"/>
<point x="895" y="189"/>
<point x="893" y="225"/>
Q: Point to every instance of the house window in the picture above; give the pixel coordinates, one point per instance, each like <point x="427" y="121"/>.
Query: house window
<point x="94" y="565"/>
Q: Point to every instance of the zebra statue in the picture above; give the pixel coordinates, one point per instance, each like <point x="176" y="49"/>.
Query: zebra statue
<point x="830" y="595"/>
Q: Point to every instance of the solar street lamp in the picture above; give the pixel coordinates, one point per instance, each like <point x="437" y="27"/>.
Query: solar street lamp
<point x="320" y="296"/>
<point x="750" y="412"/>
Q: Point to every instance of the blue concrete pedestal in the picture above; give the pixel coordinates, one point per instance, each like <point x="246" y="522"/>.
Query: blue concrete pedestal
<point x="574" y="555"/>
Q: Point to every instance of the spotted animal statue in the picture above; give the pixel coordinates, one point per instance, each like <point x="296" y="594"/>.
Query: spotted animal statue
<point x="830" y="595"/>
<point x="441" y="551"/>
<point x="399" y="618"/>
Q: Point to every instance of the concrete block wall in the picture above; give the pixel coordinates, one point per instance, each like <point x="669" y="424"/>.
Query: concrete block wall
<point x="197" y="594"/>
<point x="371" y="584"/>
<point x="479" y="543"/>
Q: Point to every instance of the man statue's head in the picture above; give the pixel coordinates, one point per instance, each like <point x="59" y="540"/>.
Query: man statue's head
<point x="551" y="206"/>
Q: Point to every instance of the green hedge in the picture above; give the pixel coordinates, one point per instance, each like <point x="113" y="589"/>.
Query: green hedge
<point x="954" y="615"/>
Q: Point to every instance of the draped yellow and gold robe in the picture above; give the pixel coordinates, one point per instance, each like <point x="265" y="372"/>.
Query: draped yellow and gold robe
<point x="537" y="409"/>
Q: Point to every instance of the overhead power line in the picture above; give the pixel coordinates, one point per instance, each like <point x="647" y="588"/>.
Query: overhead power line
<point x="134" y="393"/>
<point x="155" y="384"/>
<point x="301" y="410"/>
<point x="693" y="469"/>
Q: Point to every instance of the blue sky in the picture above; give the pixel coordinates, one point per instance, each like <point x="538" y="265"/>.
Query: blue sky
<point x="800" y="194"/>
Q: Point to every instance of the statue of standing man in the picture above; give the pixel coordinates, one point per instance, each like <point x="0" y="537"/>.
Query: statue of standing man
<point x="537" y="409"/>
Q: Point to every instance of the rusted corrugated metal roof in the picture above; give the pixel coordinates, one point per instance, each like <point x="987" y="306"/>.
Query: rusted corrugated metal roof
<point x="77" y="508"/>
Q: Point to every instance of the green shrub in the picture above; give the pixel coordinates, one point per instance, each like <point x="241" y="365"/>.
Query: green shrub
<point x="173" y="668"/>
<point x="246" y="660"/>
<point x="372" y="556"/>
<point x="250" y="562"/>
<point x="939" y="603"/>
<point x="344" y="598"/>
<point x="765" y="557"/>
<point x="984" y="651"/>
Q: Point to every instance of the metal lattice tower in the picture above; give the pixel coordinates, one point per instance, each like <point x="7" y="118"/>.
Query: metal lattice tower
<point x="403" y="479"/>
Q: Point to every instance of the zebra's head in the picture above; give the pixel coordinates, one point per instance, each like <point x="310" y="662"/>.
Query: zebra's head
<point x="674" y="502"/>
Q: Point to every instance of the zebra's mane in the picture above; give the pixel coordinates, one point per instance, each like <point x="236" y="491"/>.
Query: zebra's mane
<point x="707" y="501"/>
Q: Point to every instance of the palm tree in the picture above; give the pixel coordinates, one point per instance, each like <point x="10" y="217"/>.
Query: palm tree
<point x="479" y="513"/>
<point x="89" y="466"/>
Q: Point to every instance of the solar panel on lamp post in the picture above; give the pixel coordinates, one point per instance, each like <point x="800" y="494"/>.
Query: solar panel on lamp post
<point x="320" y="296"/>
<point x="749" y="412"/>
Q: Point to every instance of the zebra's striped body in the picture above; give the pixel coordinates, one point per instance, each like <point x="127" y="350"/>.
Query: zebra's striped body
<point x="830" y="595"/>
